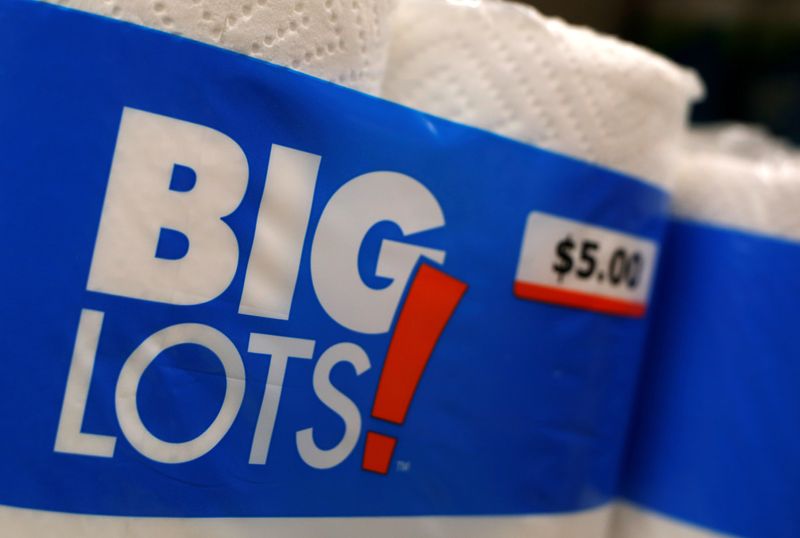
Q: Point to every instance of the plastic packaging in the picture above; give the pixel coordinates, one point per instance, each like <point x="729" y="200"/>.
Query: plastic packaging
<point x="241" y="300"/>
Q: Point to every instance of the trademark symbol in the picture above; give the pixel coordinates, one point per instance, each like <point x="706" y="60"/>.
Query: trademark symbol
<point x="403" y="466"/>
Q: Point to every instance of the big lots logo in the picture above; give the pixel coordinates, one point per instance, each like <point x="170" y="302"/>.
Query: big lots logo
<point x="143" y="199"/>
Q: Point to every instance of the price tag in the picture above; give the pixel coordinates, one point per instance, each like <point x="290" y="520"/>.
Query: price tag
<point x="570" y="263"/>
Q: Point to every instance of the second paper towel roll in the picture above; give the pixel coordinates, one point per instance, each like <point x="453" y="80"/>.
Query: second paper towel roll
<point x="506" y="68"/>
<point x="343" y="41"/>
<point x="738" y="176"/>
<point x="713" y="449"/>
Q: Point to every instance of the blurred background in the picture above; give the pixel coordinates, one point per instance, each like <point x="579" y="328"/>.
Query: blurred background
<point x="747" y="51"/>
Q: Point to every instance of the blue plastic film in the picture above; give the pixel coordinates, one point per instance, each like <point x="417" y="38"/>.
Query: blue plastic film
<point x="210" y="262"/>
<point x="715" y="439"/>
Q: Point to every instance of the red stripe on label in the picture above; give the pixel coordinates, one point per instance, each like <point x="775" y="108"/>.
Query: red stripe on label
<point x="576" y="299"/>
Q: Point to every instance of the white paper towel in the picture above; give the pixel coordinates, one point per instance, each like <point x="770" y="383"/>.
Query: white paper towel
<point x="23" y="523"/>
<point x="344" y="41"/>
<point x="740" y="177"/>
<point x="633" y="522"/>
<point x="506" y="68"/>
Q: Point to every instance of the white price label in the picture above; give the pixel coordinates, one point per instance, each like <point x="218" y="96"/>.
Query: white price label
<point x="570" y="263"/>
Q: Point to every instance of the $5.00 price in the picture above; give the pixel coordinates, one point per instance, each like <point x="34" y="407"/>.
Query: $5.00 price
<point x="581" y="265"/>
<point x="580" y="258"/>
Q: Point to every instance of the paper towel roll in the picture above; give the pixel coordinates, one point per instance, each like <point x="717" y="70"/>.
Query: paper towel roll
<point x="732" y="177"/>
<point x="741" y="177"/>
<point x="506" y="68"/>
<point x="741" y="139"/>
<point x="344" y="41"/>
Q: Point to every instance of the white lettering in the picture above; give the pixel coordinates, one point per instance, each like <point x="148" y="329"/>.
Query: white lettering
<point x="339" y="403"/>
<point x="128" y="384"/>
<point x="280" y="349"/>
<point x="139" y="203"/>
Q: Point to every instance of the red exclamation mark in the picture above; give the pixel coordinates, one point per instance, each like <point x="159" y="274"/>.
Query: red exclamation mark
<point x="431" y="301"/>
